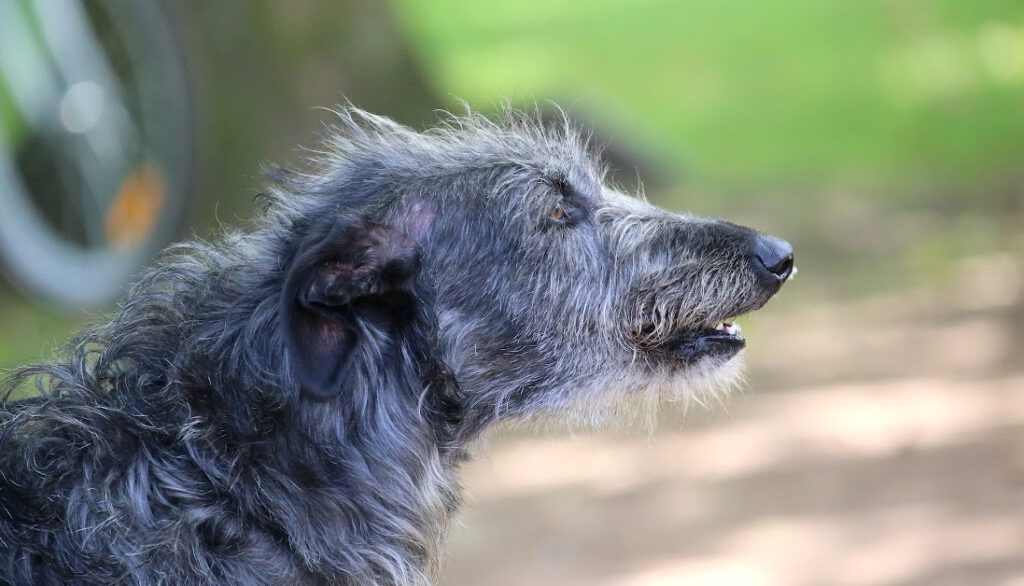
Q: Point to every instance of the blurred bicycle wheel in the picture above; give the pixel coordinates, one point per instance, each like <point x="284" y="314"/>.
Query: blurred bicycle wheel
<point x="96" y="144"/>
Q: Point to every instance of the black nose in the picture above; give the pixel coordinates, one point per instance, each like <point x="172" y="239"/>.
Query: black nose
<point x="774" y="254"/>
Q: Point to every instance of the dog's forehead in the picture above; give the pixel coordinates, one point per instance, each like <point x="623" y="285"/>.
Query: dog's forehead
<point x="567" y="163"/>
<point x="554" y="150"/>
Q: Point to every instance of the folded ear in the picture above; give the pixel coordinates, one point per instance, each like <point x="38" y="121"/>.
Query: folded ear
<point x="341" y="288"/>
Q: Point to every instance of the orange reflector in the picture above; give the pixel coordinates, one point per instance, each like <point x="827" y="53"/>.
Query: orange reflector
<point x="133" y="212"/>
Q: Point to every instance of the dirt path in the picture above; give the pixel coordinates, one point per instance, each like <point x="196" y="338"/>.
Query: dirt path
<point x="903" y="482"/>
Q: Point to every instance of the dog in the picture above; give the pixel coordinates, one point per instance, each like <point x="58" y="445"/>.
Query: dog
<point x="290" y="404"/>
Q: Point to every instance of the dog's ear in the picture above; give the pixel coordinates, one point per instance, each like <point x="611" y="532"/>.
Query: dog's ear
<point x="343" y="287"/>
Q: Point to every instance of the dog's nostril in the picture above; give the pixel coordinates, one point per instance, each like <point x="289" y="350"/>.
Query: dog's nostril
<point x="783" y="268"/>
<point x="775" y="254"/>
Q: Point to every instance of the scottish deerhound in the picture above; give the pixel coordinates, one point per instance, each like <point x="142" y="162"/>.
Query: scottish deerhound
<point x="290" y="404"/>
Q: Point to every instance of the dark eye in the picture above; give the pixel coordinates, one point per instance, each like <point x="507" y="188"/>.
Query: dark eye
<point x="557" y="213"/>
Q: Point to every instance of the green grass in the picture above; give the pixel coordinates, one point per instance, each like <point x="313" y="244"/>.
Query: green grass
<point x="746" y="93"/>
<point x="31" y="333"/>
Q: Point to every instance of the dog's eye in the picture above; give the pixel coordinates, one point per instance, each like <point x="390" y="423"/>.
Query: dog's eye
<point x="557" y="213"/>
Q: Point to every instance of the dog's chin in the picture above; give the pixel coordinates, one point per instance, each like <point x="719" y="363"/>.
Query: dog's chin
<point x="712" y="374"/>
<point x="633" y="401"/>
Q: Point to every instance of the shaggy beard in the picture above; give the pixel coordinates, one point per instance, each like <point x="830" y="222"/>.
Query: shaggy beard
<point x="635" y="400"/>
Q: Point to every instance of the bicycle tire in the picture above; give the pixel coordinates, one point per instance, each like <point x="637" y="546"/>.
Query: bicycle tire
<point x="45" y="261"/>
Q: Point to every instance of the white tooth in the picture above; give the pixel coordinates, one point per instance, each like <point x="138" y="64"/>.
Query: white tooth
<point x="720" y="326"/>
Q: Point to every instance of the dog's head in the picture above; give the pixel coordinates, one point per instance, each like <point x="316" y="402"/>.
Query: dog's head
<point x="495" y="256"/>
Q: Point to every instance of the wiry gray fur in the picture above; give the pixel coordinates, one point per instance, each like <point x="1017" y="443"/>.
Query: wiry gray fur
<point x="289" y="405"/>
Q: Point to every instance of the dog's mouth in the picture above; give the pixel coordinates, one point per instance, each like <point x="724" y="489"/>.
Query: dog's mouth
<point x="718" y="341"/>
<point x="721" y="341"/>
<point x="713" y="341"/>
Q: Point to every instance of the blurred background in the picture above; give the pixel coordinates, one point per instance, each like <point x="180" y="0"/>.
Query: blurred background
<point x="881" y="437"/>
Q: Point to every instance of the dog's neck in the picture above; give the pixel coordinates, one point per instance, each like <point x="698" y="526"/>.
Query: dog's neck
<point x="379" y="482"/>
